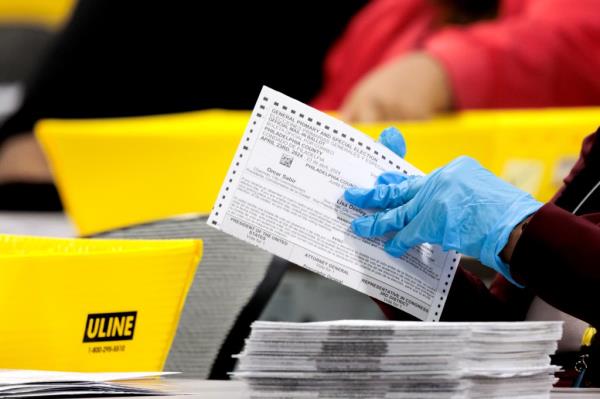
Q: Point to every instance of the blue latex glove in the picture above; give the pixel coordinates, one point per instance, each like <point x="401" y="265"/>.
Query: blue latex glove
<point x="461" y="206"/>
<point x="393" y="139"/>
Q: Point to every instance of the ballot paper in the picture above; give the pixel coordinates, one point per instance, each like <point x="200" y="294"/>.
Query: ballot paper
<point x="368" y="359"/>
<point x="284" y="193"/>
<point x="37" y="383"/>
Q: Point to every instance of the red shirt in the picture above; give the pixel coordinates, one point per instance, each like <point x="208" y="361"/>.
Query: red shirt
<point x="536" y="53"/>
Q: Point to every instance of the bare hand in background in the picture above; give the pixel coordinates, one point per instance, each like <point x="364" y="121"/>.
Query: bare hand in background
<point x="414" y="86"/>
<point x="22" y="160"/>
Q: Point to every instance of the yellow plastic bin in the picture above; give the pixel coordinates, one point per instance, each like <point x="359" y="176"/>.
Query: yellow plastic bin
<point x="51" y="13"/>
<point x="116" y="172"/>
<point x="92" y="305"/>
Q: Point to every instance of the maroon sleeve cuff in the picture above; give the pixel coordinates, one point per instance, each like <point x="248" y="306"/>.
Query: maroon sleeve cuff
<point x="558" y="258"/>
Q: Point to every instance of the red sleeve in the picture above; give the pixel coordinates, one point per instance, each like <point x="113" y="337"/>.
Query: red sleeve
<point x="558" y="257"/>
<point x="546" y="55"/>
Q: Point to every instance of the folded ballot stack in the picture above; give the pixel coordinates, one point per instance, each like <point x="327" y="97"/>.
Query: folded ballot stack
<point x="377" y="359"/>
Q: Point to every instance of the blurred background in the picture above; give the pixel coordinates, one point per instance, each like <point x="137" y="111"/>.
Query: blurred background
<point x="116" y="115"/>
<point x="26" y="30"/>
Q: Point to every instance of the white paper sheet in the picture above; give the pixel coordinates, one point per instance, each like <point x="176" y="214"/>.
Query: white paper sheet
<point x="284" y="193"/>
<point x="18" y="377"/>
<point x="40" y="383"/>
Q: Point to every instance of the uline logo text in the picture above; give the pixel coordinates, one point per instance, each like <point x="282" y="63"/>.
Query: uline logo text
<point x="102" y="327"/>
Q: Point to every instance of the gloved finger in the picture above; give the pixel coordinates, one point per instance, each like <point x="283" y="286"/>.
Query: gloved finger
<point x="391" y="178"/>
<point x="408" y="237"/>
<point x="393" y="139"/>
<point x="384" y="196"/>
<point x="381" y="223"/>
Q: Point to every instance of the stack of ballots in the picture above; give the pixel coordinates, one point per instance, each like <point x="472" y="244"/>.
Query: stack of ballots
<point x="369" y="359"/>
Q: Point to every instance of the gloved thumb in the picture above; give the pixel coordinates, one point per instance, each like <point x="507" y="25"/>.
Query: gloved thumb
<point x="393" y="140"/>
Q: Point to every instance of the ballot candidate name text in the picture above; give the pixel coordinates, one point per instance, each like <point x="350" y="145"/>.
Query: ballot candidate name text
<point x="102" y="327"/>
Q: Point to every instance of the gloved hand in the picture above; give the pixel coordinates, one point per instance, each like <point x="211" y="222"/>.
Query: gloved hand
<point x="461" y="206"/>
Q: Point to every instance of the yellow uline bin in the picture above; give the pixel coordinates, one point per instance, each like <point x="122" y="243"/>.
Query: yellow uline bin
<point x="37" y="12"/>
<point x="116" y="172"/>
<point x="92" y="305"/>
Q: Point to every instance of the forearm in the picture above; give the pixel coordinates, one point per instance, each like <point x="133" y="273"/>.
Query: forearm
<point x="556" y="255"/>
